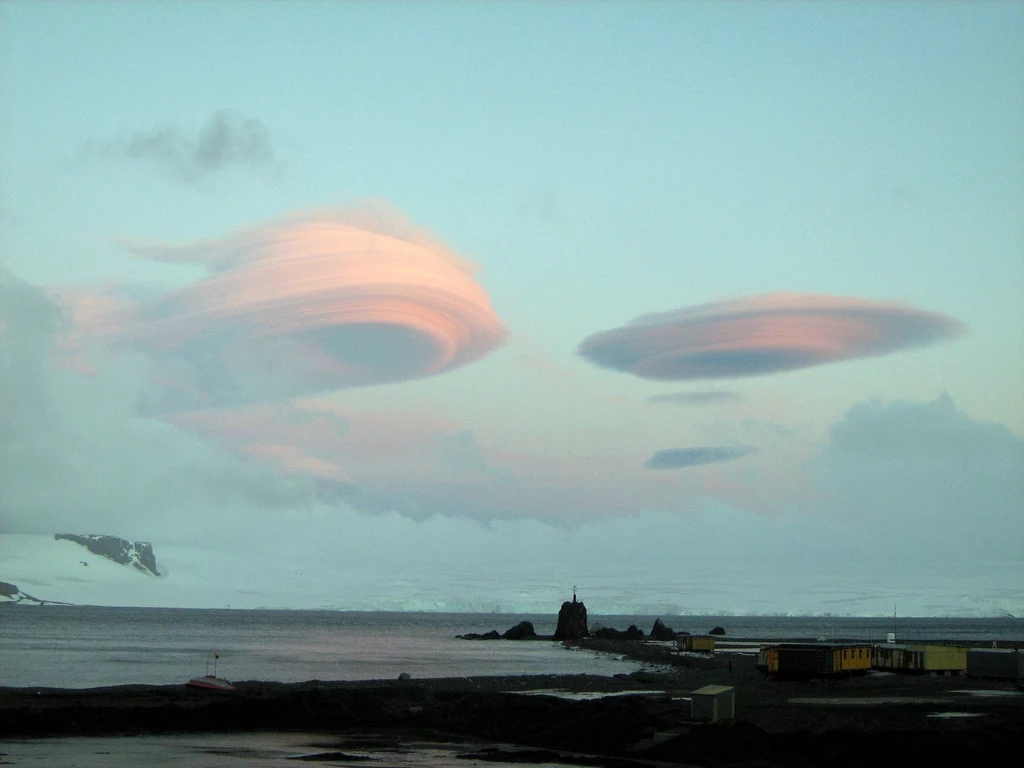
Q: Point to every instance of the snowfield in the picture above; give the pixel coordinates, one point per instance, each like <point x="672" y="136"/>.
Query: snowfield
<point x="198" y="577"/>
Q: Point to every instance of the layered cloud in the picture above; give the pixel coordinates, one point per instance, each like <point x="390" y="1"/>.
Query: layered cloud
<point x="762" y="334"/>
<point x="680" y="458"/>
<point x="227" y="140"/>
<point x="322" y="301"/>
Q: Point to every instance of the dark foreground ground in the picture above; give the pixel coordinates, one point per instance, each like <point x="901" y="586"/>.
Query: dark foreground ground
<point x="878" y="719"/>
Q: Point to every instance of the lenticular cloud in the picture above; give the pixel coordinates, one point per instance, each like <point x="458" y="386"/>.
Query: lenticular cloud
<point x="762" y="334"/>
<point x="320" y="302"/>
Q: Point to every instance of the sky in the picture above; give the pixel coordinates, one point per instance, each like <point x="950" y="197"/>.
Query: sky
<point x="481" y="301"/>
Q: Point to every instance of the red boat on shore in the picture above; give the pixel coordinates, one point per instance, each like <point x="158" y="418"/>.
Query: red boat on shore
<point x="211" y="682"/>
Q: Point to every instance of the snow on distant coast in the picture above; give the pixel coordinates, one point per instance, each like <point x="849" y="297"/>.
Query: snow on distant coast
<point x="201" y="577"/>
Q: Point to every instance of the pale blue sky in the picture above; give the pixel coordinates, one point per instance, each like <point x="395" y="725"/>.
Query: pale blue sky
<point x="597" y="161"/>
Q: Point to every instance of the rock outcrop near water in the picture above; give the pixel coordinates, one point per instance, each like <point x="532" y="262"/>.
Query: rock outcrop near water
<point x="633" y="632"/>
<point x="135" y="553"/>
<point x="522" y="631"/>
<point x="572" y="621"/>
<point x="661" y="632"/>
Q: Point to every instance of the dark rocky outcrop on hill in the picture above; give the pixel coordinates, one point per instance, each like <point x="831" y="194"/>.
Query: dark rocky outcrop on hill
<point x="135" y="553"/>
<point x="10" y="593"/>
<point x="572" y="621"/>
<point x="660" y="632"/>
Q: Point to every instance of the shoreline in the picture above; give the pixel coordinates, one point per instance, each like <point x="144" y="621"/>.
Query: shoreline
<point x="833" y="722"/>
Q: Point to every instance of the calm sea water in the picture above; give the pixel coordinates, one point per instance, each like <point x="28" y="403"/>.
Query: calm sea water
<point x="83" y="647"/>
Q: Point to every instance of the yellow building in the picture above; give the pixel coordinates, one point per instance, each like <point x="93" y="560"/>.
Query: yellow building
<point x="695" y="643"/>
<point x="814" y="659"/>
<point x="920" y="657"/>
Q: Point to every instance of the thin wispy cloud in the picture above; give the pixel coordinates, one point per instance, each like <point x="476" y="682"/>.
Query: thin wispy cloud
<point x="227" y="140"/>
<point x="317" y="302"/>
<point x="763" y="334"/>
<point x="685" y="399"/>
<point x="681" y="458"/>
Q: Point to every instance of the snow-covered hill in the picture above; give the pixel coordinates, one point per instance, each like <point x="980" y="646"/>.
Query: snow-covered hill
<point x="54" y="570"/>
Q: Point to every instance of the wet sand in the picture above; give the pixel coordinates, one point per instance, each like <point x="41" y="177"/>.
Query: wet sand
<point x="940" y="720"/>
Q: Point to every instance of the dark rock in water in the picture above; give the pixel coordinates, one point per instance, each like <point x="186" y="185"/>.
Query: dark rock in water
<point x="610" y="633"/>
<point x="522" y="630"/>
<point x="717" y="631"/>
<point x="660" y="632"/>
<point x="135" y="553"/>
<point x="404" y="676"/>
<point x="492" y="635"/>
<point x="572" y="621"/>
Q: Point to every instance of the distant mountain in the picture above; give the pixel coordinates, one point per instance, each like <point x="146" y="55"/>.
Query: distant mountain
<point x="71" y="568"/>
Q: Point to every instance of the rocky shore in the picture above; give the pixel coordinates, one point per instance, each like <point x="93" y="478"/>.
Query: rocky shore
<point x="938" y="720"/>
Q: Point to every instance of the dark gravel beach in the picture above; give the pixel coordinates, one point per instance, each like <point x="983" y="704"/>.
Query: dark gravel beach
<point x="939" y="720"/>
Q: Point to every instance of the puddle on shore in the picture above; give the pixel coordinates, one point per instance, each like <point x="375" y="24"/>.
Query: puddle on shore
<point x="585" y="695"/>
<point x="945" y="715"/>
<point x="237" y="750"/>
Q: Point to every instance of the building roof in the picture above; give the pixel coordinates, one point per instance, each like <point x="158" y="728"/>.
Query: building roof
<point x="712" y="690"/>
<point x="813" y="646"/>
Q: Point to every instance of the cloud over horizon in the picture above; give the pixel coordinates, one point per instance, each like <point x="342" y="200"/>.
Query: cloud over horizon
<point x="420" y="465"/>
<point x="763" y="334"/>
<point x="75" y="455"/>
<point x="227" y="140"/>
<point x="945" y="488"/>
<point x="319" y="301"/>
<point x="680" y="458"/>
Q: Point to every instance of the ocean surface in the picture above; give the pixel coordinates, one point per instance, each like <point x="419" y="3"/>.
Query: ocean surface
<point x="85" y="647"/>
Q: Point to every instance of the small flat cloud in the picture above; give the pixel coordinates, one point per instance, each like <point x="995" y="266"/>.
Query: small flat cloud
<point x="687" y="399"/>
<point x="680" y="458"/>
<point x="320" y="301"/>
<point x="227" y="140"/>
<point x="763" y="334"/>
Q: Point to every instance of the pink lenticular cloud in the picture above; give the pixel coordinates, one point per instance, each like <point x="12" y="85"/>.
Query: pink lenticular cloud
<point x="763" y="334"/>
<point x="313" y="303"/>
